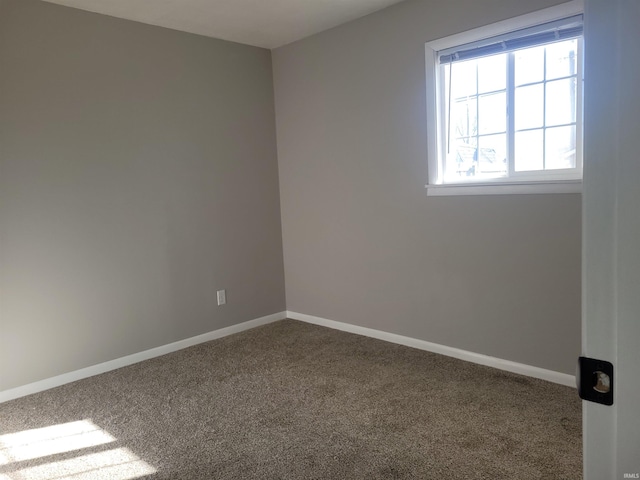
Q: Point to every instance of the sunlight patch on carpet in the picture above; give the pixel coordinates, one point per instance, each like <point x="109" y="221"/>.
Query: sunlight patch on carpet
<point x="28" y="445"/>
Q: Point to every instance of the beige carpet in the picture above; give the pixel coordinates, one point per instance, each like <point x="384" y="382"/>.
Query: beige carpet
<point x="295" y="401"/>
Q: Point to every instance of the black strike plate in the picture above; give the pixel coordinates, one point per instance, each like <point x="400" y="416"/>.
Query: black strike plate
<point x="595" y="380"/>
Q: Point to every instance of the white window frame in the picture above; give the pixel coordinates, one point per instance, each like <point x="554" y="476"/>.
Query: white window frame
<point x="545" y="183"/>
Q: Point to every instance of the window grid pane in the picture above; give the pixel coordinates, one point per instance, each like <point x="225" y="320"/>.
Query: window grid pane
<point x="492" y="110"/>
<point x="541" y="131"/>
<point x="545" y="107"/>
<point x="560" y="147"/>
<point x="478" y="116"/>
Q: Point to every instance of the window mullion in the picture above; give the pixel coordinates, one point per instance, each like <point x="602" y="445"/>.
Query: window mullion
<point x="477" y="92"/>
<point x="579" y="106"/>
<point x="511" y="114"/>
<point x="442" y="106"/>
<point x="544" y="111"/>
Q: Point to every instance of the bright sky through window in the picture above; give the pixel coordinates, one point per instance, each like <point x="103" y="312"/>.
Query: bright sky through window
<point x="520" y="104"/>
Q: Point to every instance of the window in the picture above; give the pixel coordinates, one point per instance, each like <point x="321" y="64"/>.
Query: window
<point x="506" y="108"/>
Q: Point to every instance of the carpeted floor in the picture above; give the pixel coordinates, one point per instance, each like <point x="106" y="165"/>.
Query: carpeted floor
<point x="291" y="400"/>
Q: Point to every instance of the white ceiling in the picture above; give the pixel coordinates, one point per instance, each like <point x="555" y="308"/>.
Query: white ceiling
<point x="262" y="23"/>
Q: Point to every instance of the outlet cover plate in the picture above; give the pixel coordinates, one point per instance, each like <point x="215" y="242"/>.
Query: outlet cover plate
<point x="222" y="297"/>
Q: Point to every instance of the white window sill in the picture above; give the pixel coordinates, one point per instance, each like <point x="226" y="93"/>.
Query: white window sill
<point x="572" y="186"/>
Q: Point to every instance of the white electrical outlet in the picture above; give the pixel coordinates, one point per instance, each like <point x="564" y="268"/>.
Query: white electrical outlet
<point x="222" y="297"/>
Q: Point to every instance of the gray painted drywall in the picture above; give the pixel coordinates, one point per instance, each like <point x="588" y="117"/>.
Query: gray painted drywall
<point x="497" y="275"/>
<point x="138" y="175"/>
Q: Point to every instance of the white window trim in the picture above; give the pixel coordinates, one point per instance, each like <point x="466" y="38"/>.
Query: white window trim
<point x="436" y="185"/>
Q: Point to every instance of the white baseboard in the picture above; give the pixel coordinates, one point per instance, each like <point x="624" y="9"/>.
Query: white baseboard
<point x="58" y="380"/>
<point x="507" y="365"/>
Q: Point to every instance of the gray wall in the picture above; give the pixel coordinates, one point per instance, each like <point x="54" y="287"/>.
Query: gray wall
<point x="498" y="275"/>
<point x="138" y="175"/>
